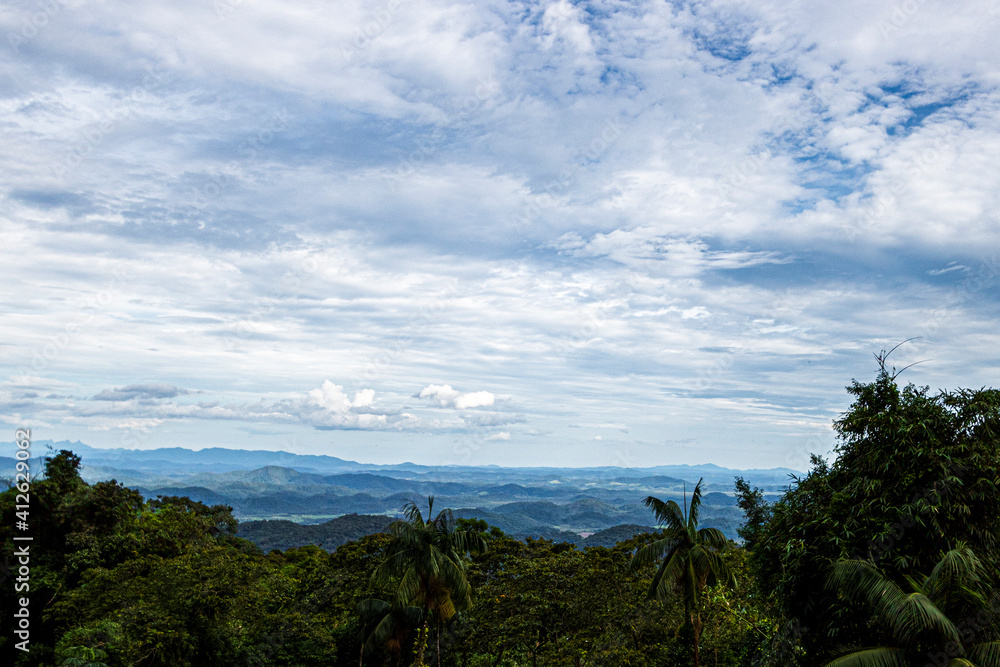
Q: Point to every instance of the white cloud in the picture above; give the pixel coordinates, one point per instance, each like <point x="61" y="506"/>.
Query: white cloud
<point x="446" y="397"/>
<point x="651" y="214"/>
<point x="332" y="398"/>
<point x="644" y="248"/>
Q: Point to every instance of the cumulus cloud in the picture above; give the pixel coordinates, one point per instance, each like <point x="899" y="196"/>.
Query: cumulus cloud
<point x="328" y="407"/>
<point x="332" y="397"/>
<point x="447" y="397"/>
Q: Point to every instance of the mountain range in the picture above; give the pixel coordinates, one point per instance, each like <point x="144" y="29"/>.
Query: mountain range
<point x="285" y="499"/>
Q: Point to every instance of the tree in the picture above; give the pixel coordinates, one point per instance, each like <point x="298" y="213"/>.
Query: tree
<point x="756" y="510"/>
<point x="427" y="558"/>
<point x="691" y="558"/>
<point x="63" y="470"/>
<point x="916" y="473"/>
<point x="945" y="619"/>
<point x="386" y="627"/>
<point x="83" y="656"/>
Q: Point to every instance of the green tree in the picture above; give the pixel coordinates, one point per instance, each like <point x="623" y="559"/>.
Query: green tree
<point x="83" y="656"/>
<point x="691" y="559"/>
<point x="916" y="474"/>
<point x="756" y="512"/>
<point x="386" y="628"/>
<point x="945" y="619"/>
<point x="427" y="557"/>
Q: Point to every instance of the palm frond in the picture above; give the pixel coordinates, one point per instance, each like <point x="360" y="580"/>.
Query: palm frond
<point x="986" y="655"/>
<point x="412" y="512"/>
<point x="394" y="565"/>
<point x="695" y="507"/>
<point x="917" y="615"/>
<point x="949" y="580"/>
<point x="382" y="622"/>
<point x="670" y="574"/>
<point x="667" y="513"/>
<point x="385" y="628"/>
<point x="710" y="566"/>
<point x="467" y="541"/>
<point x="452" y="576"/>
<point x="860" y="580"/>
<point x="652" y="552"/>
<point x="908" y="616"/>
<point x="404" y="531"/>
<point x="445" y="520"/>
<point x="872" y="657"/>
<point x="372" y="607"/>
<point x="409" y="588"/>
<point x="713" y="537"/>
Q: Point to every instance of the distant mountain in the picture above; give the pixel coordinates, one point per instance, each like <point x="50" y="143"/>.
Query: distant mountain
<point x="612" y="536"/>
<point x="282" y="535"/>
<point x="241" y="459"/>
<point x="556" y="503"/>
<point x="716" y="498"/>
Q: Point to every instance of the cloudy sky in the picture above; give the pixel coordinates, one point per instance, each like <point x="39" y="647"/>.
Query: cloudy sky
<point x="571" y="233"/>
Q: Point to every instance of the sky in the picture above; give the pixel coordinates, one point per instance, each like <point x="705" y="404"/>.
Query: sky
<point x="512" y="233"/>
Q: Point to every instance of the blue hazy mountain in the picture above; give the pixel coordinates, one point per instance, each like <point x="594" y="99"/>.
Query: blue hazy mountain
<point x="273" y="492"/>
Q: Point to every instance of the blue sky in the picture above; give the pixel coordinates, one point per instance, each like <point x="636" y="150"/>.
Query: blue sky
<point x="593" y="233"/>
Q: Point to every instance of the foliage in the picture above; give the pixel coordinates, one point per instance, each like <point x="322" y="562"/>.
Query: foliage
<point x="916" y="474"/>
<point x="945" y="618"/>
<point x="756" y="510"/>
<point x="283" y="534"/>
<point x="426" y="561"/>
<point x="82" y="656"/>
<point x="690" y="559"/>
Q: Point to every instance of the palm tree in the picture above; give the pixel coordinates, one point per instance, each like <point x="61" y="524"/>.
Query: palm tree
<point x="922" y="625"/>
<point x="691" y="558"/>
<point x="427" y="559"/>
<point x="387" y="627"/>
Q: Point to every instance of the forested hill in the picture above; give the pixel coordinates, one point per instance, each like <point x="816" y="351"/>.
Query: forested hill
<point x="283" y="534"/>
